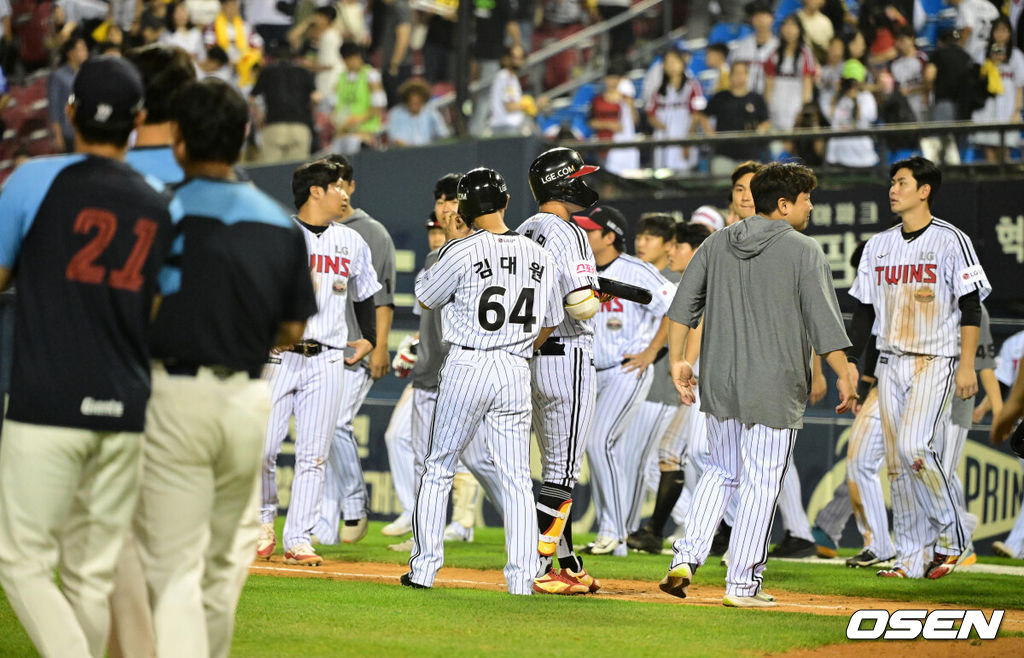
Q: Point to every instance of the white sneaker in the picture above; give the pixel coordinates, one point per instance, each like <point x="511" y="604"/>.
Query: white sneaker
<point x="400" y="526"/>
<point x="350" y="534"/>
<point x="267" y="542"/>
<point x="602" y="546"/>
<point x="458" y="532"/>
<point x="402" y="547"/>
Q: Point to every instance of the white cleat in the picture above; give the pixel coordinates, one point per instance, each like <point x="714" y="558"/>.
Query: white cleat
<point x="458" y="532"/>
<point x="400" y="526"/>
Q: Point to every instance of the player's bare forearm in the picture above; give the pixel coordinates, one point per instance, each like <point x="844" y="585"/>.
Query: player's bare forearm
<point x="818" y="386"/>
<point x="993" y="396"/>
<point x="692" y="351"/>
<point x="1013" y="409"/>
<point x="641" y="360"/>
<point x="966" y="378"/>
<point x="677" y="333"/>
<point x="544" y="334"/>
<point x="380" y="359"/>
<point x="846" y="381"/>
<point x="289" y="333"/>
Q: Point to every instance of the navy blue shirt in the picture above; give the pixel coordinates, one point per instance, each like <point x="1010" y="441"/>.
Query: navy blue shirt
<point x="237" y="269"/>
<point x="86" y="237"/>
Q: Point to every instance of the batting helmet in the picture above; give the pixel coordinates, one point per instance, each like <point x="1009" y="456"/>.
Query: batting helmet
<point x="557" y="174"/>
<point x="481" y="191"/>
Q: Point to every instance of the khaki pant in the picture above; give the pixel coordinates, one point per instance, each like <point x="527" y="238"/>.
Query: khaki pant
<point x="285" y="142"/>
<point x="66" y="501"/>
<point x="195" y="525"/>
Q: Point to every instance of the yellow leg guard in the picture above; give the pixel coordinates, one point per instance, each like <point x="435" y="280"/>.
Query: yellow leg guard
<point x="548" y="540"/>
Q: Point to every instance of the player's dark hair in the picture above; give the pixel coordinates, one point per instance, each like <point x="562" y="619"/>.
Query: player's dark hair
<point x="165" y="70"/>
<point x="447" y="186"/>
<point x="70" y="44"/>
<point x="211" y="117"/>
<point x="780" y="181"/>
<point x="319" y="173"/>
<point x="744" y="168"/>
<point x="350" y="49"/>
<point x="328" y="12"/>
<point x="925" y="173"/>
<point x="659" y="225"/>
<point x="719" y="48"/>
<point x="217" y="54"/>
<point x="347" y="172"/>
<point x="692" y="233"/>
<point x="619" y="243"/>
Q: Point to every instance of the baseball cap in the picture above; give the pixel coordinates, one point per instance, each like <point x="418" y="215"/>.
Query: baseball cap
<point x="598" y="218"/>
<point x="107" y="90"/>
<point x="854" y="70"/>
<point x="708" y="216"/>
<point x="432" y="221"/>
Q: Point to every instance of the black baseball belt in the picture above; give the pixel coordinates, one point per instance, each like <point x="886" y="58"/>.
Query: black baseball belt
<point x="309" y="347"/>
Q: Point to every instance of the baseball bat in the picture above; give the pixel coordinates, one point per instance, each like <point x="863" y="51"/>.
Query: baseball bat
<point x="623" y="290"/>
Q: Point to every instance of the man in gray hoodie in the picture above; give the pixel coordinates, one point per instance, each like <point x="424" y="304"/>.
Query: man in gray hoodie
<point x="766" y="295"/>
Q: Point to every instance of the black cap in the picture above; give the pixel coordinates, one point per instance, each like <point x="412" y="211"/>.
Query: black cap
<point x="481" y="191"/>
<point x="599" y="218"/>
<point x="107" y="91"/>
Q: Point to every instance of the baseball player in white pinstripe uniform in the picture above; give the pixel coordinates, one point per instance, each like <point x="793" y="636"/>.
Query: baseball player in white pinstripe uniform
<point x="398" y="435"/>
<point x="621" y="328"/>
<point x="766" y="296"/>
<point x="500" y="297"/>
<point x="655" y="237"/>
<point x="563" y="367"/>
<point x="345" y="494"/>
<point x="920" y="286"/>
<point x="307" y="381"/>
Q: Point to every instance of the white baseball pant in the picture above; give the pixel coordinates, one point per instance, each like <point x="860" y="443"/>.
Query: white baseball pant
<point x="564" y="394"/>
<point x="476" y="388"/>
<point x="619" y="396"/>
<point x="791" y="505"/>
<point x="748" y="462"/>
<point x="865" y="455"/>
<point x="398" y="440"/>
<point x="640" y="465"/>
<point x="1015" y="540"/>
<point x="914" y="396"/>
<point x="66" y="502"/>
<point x="311" y="389"/>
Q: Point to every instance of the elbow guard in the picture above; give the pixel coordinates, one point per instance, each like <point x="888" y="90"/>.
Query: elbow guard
<point x="582" y="304"/>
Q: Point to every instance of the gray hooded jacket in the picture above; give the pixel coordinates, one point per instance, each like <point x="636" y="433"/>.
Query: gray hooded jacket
<point x="766" y="294"/>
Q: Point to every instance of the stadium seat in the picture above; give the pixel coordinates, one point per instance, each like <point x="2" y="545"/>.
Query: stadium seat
<point x="728" y="32"/>
<point x="785" y="8"/>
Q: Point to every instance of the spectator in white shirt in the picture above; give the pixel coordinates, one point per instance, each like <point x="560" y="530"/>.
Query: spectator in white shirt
<point x="183" y="34"/>
<point x="854" y="108"/>
<point x="757" y="48"/>
<point x="322" y="41"/>
<point x="974" y="19"/>
<point x="414" y="122"/>
<point x="506" y="98"/>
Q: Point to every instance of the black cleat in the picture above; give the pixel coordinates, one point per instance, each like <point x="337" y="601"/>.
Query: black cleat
<point x="865" y="558"/>
<point x="720" y="542"/>
<point x="794" y="547"/>
<point x="645" y="540"/>
<point x="407" y="582"/>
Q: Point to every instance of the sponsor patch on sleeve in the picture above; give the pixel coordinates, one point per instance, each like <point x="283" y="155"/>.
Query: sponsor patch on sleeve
<point x="973" y="274"/>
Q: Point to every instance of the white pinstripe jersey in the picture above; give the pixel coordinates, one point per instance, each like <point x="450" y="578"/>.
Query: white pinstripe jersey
<point x="1008" y="361"/>
<point x="915" y="288"/>
<point x="500" y="291"/>
<point x="339" y="261"/>
<point x="567" y="243"/>
<point x="623" y="327"/>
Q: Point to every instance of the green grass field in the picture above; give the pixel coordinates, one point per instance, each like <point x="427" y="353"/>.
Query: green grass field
<point x="321" y="617"/>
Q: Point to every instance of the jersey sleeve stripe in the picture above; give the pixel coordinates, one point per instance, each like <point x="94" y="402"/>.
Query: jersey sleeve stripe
<point x="961" y="240"/>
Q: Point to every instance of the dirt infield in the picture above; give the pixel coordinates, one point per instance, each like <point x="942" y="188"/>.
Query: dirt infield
<point x="699" y="594"/>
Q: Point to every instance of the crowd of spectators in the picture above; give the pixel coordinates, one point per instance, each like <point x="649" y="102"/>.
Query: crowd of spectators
<point x="352" y="74"/>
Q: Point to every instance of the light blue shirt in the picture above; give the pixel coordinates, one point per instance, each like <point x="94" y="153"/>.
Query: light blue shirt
<point x="423" y="128"/>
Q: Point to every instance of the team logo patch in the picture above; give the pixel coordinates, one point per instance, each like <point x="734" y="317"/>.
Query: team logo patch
<point x="924" y="295"/>
<point x="339" y="286"/>
<point x="613" y="324"/>
<point x="973" y="274"/>
<point x="584" y="268"/>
